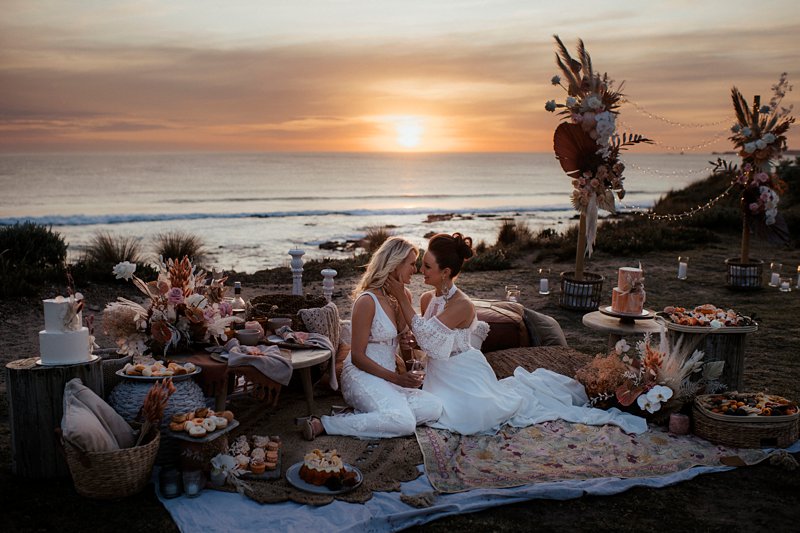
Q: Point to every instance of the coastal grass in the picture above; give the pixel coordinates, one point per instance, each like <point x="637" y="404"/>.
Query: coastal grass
<point x="30" y="255"/>
<point x="179" y="244"/>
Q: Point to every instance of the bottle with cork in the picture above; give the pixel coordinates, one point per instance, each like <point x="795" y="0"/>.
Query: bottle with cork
<point x="238" y="305"/>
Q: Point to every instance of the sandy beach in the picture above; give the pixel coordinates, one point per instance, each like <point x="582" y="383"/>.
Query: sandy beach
<point x="762" y="497"/>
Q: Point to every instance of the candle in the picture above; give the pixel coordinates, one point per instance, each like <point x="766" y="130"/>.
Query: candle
<point x="786" y="285"/>
<point x="544" y="286"/>
<point x="678" y="424"/>
<point x="775" y="279"/>
<point x="682" y="267"/>
<point x="797" y="285"/>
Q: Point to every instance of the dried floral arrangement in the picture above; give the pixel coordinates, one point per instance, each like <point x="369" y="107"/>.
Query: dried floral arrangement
<point x="650" y="381"/>
<point x="183" y="306"/>
<point x="153" y="407"/>
<point x="759" y="135"/>
<point x="587" y="145"/>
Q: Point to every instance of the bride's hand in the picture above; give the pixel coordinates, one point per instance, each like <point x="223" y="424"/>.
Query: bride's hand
<point x="395" y="287"/>
<point x="409" y="380"/>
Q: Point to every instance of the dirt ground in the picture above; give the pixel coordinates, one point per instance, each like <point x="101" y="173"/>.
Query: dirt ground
<point x="763" y="497"/>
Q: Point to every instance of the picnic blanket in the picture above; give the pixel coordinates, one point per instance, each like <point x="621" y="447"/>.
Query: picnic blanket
<point x="388" y="511"/>
<point x="266" y="359"/>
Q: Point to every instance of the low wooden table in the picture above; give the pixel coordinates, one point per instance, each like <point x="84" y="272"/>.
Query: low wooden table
<point x="303" y="360"/>
<point x="617" y="328"/>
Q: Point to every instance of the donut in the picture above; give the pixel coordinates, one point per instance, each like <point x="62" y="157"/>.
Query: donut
<point x="188" y="425"/>
<point x="228" y="415"/>
<point x="197" y="431"/>
<point x="201" y="413"/>
<point x="209" y="425"/>
<point x="139" y="367"/>
<point x="179" y="370"/>
<point x="190" y="367"/>
<point x="177" y="426"/>
<point x="220" y="422"/>
<point x="147" y="372"/>
<point x="179" y="417"/>
<point x="198" y="421"/>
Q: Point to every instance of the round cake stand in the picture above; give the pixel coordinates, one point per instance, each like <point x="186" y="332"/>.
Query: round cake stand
<point x="626" y="318"/>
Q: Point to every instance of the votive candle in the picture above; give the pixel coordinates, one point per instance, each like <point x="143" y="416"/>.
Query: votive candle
<point x="786" y="285"/>
<point x="683" y="267"/>
<point x="678" y="424"/>
<point x="775" y="278"/>
<point x="797" y="286"/>
<point x="544" y="286"/>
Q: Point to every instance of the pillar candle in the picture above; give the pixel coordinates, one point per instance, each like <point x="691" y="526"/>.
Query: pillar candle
<point x="682" y="268"/>
<point x="544" y="285"/>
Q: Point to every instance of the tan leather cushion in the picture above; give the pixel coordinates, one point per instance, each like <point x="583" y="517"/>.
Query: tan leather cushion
<point x="90" y="423"/>
<point x="544" y="330"/>
<point x="506" y="324"/>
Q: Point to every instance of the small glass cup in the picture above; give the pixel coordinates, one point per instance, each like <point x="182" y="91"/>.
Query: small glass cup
<point x="512" y="293"/>
<point x="786" y="285"/>
<point x="193" y="482"/>
<point x="797" y="285"/>
<point x="683" y="266"/>
<point x="544" y="281"/>
<point x="169" y="481"/>
<point x="417" y="369"/>
<point x="775" y="278"/>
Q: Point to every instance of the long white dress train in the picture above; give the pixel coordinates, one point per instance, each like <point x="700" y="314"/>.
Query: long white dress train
<point x="383" y="409"/>
<point x="474" y="401"/>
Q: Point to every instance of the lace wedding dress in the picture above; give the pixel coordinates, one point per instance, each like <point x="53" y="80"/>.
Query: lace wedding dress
<point x="383" y="409"/>
<point x="474" y="401"/>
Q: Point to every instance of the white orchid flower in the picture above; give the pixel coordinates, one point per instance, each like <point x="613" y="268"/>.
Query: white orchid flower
<point x="646" y="405"/>
<point x="124" y="270"/>
<point x="196" y="300"/>
<point x="621" y="347"/>
<point x="659" y="394"/>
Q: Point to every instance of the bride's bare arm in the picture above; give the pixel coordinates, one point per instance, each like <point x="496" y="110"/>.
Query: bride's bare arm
<point x="363" y="314"/>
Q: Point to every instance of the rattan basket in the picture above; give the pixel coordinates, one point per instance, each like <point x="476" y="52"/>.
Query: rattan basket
<point x="745" y="431"/>
<point x="115" y="474"/>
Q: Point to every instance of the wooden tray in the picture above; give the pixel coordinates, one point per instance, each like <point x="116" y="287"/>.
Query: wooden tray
<point x="730" y="330"/>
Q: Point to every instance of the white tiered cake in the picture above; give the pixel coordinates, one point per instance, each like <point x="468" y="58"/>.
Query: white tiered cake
<point x="64" y="341"/>
<point x="628" y="296"/>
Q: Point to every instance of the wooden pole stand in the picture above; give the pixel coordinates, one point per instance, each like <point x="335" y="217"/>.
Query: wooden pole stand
<point x="35" y="408"/>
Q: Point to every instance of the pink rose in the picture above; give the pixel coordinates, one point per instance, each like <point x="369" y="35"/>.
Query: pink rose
<point x="577" y="118"/>
<point x="754" y="207"/>
<point x="225" y="309"/>
<point x="175" y="296"/>
<point x="761" y="177"/>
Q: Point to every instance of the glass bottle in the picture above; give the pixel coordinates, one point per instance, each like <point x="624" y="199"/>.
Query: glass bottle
<point x="238" y="305"/>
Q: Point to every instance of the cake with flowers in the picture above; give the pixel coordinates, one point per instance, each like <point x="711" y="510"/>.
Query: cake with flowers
<point x="628" y="296"/>
<point x="64" y="340"/>
<point x="326" y="468"/>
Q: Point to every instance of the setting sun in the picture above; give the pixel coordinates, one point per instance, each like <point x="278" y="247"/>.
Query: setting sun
<point x="409" y="132"/>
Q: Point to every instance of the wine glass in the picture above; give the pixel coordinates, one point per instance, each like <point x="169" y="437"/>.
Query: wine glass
<point x="418" y="369"/>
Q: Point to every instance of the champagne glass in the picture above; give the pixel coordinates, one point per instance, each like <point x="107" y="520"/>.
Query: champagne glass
<point x="418" y="369"/>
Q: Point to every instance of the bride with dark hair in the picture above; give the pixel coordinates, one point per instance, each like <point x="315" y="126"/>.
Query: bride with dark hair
<point x="473" y="400"/>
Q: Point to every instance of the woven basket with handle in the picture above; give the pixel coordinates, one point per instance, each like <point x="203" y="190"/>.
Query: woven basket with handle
<point x="745" y="431"/>
<point x="114" y="474"/>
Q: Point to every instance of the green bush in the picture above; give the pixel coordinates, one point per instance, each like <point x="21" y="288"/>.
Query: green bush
<point x="493" y="259"/>
<point x="376" y="236"/>
<point x="106" y="250"/>
<point x="178" y="244"/>
<point x="30" y="255"/>
<point x="515" y="234"/>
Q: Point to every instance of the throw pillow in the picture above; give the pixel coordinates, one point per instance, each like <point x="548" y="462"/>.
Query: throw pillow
<point x="323" y="320"/>
<point x="341" y="355"/>
<point x="90" y="423"/>
<point x="544" y="330"/>
<point x="506" y="324"/>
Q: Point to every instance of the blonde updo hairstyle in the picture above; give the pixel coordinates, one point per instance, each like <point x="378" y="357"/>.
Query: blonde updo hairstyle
<point x="451" y="251"/>
<point x="391" y="254"/>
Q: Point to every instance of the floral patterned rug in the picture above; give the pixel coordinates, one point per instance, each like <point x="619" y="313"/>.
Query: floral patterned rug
<point x="560" y="450"/>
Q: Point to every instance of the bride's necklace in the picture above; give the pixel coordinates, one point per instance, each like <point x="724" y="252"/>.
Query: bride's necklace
<point x="446" y="295"/>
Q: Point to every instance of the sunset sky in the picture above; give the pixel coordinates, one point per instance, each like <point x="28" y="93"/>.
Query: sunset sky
<point x="371" y="75"/>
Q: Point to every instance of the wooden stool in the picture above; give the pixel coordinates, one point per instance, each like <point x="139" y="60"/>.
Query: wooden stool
<point x="35" y="407"/>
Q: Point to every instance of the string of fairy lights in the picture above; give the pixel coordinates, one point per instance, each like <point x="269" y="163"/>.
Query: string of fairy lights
<point x="658" y="172"/>
<point x="647" y="212"/>
<point x="692" y="125"/>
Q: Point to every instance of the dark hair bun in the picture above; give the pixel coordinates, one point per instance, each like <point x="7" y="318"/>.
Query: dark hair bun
<point x="463" y="246"/>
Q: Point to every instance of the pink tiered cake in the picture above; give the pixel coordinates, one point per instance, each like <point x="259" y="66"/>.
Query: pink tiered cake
<point x="628" y="296"/>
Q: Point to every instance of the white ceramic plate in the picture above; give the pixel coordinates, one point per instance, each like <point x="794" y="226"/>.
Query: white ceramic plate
<point x="646" y="313"/>
<point x="293" y="477"/>
<point x="91" y="358"/>
<point x="180" y="377"/>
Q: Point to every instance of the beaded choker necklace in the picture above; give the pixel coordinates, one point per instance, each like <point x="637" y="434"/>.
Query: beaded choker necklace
<point x="449" y="294"/>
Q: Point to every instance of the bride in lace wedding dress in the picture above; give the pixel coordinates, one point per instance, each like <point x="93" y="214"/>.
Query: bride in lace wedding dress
<point x="387" y="404"/>
<point x="473" y="399"/>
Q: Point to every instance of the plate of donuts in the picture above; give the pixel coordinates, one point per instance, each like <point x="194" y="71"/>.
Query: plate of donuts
<point x="202" y="425"/>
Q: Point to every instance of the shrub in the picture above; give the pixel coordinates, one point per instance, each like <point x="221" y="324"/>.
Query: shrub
<point x="514" y="234"/>
<point x="106" y="250"/>
<point x="30" y="254"/>
<point x="493" y="259"/>
<point x="177" y="244"/>
<point x="376" y="236"/>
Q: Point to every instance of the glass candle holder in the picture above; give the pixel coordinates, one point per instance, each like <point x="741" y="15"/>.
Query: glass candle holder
<point x="169" y="481"/>
<point x="544" y="281"/>
<point x="797" y="285"/>
<point x="193" y="482"/>
<point x="683" y="266"/>
<point x="775" y="278"/>
<point x="786" y="285"/>
<point x="512" y="293"/>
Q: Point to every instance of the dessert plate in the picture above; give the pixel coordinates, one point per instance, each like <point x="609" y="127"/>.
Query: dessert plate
<point x="293" y="477"/>
<point x="180" y="377"/>
<point x="645" y="314"/>
<point x="92" y="358"/>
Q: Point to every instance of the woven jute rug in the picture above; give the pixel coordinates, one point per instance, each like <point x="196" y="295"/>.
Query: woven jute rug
<point x="385" y="463"/>
<point x="560" y="359"/>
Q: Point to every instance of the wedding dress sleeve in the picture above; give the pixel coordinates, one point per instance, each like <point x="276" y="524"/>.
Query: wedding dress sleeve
<point x="433" y="337"/>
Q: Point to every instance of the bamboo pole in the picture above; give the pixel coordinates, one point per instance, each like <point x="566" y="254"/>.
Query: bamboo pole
<point x="580" y="253"/>
<point x="745" y="255"/>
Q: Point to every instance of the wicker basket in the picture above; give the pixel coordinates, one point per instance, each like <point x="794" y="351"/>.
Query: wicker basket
<point x="581" y="295"/>
<point x="115" y="474"/>
<point x="744" y="276"/>
<point x="743" y="431"/>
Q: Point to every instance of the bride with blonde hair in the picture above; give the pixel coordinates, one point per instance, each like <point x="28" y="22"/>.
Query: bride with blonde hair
<point x="386" y="403"/>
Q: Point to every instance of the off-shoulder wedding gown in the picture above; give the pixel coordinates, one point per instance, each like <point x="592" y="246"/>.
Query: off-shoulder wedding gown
<point x="383" y="409"/>
<point x="474" y="401"/>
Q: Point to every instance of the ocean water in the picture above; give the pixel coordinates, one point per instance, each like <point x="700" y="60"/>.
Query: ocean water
<point x="251" y="208"/>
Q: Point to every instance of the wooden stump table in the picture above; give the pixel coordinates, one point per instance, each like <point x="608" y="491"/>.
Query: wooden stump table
<point x="35" y="407"/>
